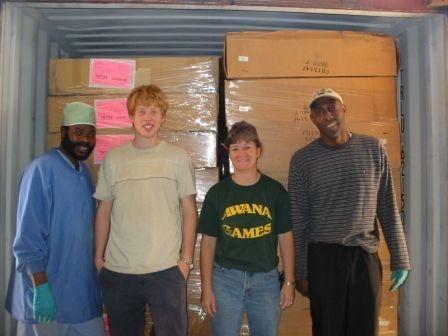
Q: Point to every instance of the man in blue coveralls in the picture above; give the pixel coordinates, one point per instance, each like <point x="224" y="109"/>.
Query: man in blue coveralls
<point x="54" y="290"/>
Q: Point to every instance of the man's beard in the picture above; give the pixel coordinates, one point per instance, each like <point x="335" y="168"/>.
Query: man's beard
<point x="70" y="148"/>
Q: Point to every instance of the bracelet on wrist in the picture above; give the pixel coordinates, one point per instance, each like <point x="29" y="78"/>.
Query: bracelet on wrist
<point x="290" y="283"/>
<point x="189" y="263"/>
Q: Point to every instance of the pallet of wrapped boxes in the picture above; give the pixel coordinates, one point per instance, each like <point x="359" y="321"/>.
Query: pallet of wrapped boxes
<point x="191" y="85"/>
<point x="270" y="79"/>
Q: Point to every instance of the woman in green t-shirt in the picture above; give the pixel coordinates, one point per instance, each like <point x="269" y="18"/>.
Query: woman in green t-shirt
<point x="243" y="220"/>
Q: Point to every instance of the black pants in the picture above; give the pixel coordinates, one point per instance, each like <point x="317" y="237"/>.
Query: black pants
<point x="126" y="296"/>
<point x="345" y="290"/>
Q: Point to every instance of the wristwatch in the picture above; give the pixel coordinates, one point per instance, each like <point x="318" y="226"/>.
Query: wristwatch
<point x="188" y="262"/>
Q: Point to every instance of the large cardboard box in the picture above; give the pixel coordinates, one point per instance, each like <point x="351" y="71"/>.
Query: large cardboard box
<point x="436" y="3"/>
<point x="201" y="146"/>
<point x="186" y="112"/>
<point x="296" y="320"/>
<point x="205" y="179"/>
<point x="388" y="321"/>
<point x="308" y="53"/>
<point x="268" y="101"/>
<point x="172" y="74"/>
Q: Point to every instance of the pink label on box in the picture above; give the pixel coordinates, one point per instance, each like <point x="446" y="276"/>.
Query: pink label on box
<point x="112" y="113"/>
<point x="106" y="142"/>
<point x="110" y="73"/>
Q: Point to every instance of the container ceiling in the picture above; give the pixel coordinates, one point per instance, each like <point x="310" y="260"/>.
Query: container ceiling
<point x="109" y="31"/>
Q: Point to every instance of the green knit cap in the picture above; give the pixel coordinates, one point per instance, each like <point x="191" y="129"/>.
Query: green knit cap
<point x="78" y="113"/>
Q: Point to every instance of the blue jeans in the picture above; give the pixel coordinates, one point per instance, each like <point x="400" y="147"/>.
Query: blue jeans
<point x="126" y="296"/>
<point x="93" y="327"/>
<point x="236" y="292"/>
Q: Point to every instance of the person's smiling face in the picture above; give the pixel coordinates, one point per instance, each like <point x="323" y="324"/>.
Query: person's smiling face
<point x="244" y="155"/>
<point x="328" y="114"/>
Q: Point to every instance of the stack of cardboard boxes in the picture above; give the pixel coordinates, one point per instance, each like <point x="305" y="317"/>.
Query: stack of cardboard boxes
<point x="191" y="85"/>
<point x="271" y="77"/>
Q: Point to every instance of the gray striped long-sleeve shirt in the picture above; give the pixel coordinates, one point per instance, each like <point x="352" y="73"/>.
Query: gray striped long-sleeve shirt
<point x="336" y="194"/>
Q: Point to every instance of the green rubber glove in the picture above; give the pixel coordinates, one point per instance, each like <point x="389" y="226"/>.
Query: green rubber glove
<point x="398" y="277"/>
<point x="43" y="304"/>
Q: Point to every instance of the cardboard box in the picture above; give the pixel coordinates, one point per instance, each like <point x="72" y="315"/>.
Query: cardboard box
<point x="186" y="112"/>
<point x="436" y="3"/>
<point x="309" y="53"/>
<point x="280" y="143"/>
<point x="296" y="320"/>
<point x="198" y="324"/>
<point x="388" y="298"/>
<point x="199" y="206"/>
<point x="268" y="101"/>
<point x="388" y="133"/>
<point x="172" y="74"/>
<point x="388" y="320"/>
<point x="205" y="179"/>
<point x="201" y="146"/>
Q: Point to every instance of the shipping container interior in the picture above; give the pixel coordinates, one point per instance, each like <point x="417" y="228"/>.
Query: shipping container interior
<point x="32" y="33"/>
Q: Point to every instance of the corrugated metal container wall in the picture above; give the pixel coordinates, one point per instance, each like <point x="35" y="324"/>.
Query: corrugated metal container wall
<point x="33" y="32"/>
<point x="369" y="5"/>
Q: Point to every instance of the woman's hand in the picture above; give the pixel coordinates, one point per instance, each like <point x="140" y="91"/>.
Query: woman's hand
<point x="287" y="294"/>
<point x="208" y="301"/>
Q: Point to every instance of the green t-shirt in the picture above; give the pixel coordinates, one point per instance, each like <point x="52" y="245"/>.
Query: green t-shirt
<point x="246" y="221"/>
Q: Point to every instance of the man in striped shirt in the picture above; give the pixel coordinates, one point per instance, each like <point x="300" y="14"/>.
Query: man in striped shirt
<point x="339" y="185"/>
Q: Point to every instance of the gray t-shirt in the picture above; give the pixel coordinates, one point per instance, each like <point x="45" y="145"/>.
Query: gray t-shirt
<point x="146" y="187"/>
